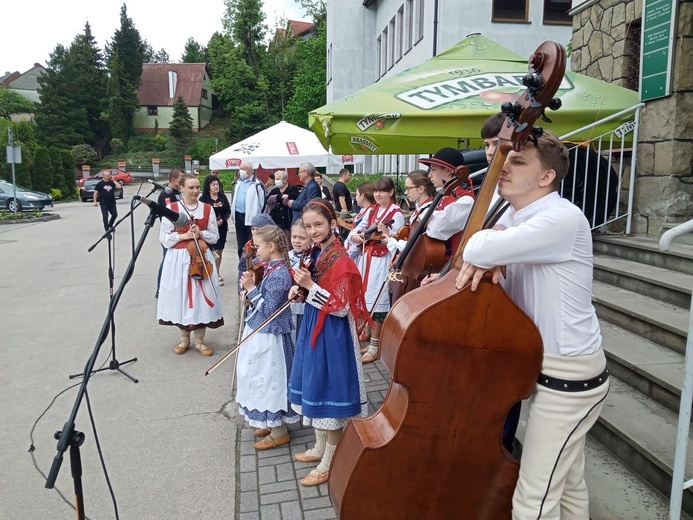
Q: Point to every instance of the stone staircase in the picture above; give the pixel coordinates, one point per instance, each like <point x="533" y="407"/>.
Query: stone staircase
<point x="642" y="297"/>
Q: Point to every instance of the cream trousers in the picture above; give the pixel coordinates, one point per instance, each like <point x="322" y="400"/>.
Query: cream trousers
<point x="552" y="485"/>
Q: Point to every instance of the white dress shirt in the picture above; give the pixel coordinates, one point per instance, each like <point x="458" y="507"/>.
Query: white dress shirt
<point x="547" y="248"/>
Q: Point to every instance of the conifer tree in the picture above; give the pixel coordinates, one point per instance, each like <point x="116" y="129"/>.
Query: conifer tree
<point x="43" y="175"/>
<point x="181" y="124"/>
<point x="60" y="118"/>
<point x="56" y="168"/>
<point x="88" y="63"/>
<point x="68" y="169"/>
<point x="121" y="100"/>
<point x="194" y="52"/>
<point x="130" y="47"/>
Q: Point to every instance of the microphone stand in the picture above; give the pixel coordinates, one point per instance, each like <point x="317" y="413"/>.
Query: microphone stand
<point x="68" y="436"/>
<point x="114" y="364"/>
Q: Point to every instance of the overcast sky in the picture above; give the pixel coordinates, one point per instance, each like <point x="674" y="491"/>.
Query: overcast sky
<point x="32" y="28"/>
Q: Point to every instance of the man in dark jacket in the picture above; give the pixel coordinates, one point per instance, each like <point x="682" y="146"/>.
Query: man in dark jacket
<point x="311" y="190"/>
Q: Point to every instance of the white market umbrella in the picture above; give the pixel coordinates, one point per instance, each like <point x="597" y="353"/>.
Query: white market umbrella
<point x="280" y="146"/>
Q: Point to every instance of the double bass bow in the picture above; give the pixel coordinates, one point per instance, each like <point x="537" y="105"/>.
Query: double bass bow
<point x="458" y="363"/>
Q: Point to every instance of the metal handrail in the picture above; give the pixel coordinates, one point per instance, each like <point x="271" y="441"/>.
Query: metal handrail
<point x="678" y="483"/>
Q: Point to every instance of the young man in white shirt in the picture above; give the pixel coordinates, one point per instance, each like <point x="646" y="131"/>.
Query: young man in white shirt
<point x="545" y="244"/>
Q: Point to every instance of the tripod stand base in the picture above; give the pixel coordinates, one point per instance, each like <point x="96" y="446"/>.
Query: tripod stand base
<point x="113" y="365"/>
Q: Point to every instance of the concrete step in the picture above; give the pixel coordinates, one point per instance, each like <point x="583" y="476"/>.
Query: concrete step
<point x="662" y="284"/>
<point x="655" y="371"/>
<point x="617" y="492"/>
<point x="645" y="251"/>
<point x="642" y="434"/>
<point x="652" y="319"/>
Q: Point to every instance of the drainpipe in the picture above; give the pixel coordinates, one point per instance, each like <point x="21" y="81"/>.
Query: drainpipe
<point x="435" y="28"/>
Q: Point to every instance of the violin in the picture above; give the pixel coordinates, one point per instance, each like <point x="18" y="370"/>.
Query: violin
<point x="257" y="268"/>
<point x="371" y="234"/>
<point x="433" y="450"/>
<point x="200" y="267"/>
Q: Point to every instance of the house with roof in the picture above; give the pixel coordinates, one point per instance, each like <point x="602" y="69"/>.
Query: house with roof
<point x="160" y="86"/>
<point x="295" y="29"/>
<point x="25" y="84"/>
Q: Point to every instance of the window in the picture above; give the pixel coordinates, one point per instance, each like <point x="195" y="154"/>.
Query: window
<point x="204" y="93"/>
<point x="420" y="22"/>
<point x="391" y="43"/>
<point x="383" y="60"/>
<point x="510" y="11"/>
<point x="400" y="33"/>
<point x="631" y="57"/>
<point x="152" y="111"/>
<point x="408" y="24"/>
<point x="556" y="12"/>
<point x="378" y="57"/>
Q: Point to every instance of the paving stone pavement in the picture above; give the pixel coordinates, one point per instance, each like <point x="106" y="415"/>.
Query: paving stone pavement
<point x="267" y="486"/>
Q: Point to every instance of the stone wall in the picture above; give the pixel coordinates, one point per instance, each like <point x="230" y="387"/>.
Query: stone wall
<point x="606" y="45"/>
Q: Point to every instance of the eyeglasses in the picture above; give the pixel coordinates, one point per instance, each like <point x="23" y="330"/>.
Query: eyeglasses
<point x="407" y="188"/>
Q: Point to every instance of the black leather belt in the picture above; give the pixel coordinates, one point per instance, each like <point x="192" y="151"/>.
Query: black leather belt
<point x="565" y="385"/>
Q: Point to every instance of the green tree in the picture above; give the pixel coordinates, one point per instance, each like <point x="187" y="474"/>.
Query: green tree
<point x="43" y="175"/>
<point x="310" y="78"/>
<point x="151" y="56"/>
<point x="193" y="52"/>
<point x="121" y="99"/>
<point x="68" y="169"/>
<point x="237" y="65"/>
<point x="22" y="173"/>
<point x="12" y="102"/>
<point x="180" y="127"/>
<point x="56" y="167"/>
<point x="60" y="117"/>
<point x="130" y="48"/>
<point x="89" y="91"/>
<point x="280" y="65"/>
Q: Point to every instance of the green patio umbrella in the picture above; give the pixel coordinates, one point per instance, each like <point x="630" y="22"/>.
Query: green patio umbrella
<point x="445" y="100"/>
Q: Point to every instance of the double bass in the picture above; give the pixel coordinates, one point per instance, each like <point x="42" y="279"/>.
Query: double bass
<point x="458" y="362"/>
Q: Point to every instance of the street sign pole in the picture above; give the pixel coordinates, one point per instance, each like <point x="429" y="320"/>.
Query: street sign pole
<point x="11" y="160"/>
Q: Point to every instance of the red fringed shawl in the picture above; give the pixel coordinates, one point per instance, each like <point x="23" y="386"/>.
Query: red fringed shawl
<point x="338" y="274"/>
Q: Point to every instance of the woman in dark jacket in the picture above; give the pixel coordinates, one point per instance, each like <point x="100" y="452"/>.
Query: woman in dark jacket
<point x="281" y="213"/>
<point x="212" y="195"/>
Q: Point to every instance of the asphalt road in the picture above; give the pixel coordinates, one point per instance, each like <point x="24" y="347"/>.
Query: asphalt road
<point x="170" y="440"/>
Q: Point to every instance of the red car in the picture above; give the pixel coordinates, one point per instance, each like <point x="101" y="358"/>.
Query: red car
<point x="120" y="176"/>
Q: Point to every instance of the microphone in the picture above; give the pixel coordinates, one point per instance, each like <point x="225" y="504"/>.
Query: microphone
<point x="158" y="186"/>
<point x="178" y="219"/>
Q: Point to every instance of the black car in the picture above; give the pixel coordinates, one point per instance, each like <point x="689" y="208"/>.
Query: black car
<point x="86" y="191"/>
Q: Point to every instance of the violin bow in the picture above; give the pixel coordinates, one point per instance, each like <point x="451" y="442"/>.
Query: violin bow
<point x="238" y="340"/>
<point x="262" y="325"/>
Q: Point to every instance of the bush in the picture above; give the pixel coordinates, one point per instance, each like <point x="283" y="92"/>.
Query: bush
<point x="56" y="194"/>
<point x="142" y="143"/>
<point x="84" y="154"/>
<point x="160" y="141"/>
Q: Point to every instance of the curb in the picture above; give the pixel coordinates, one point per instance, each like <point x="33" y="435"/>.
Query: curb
<point x="45" y="218"/>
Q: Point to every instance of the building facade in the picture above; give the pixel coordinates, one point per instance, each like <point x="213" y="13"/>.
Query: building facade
<point x="160" y="86"/>
<point x="369" y="40"/>
<point x="607" y="45"/>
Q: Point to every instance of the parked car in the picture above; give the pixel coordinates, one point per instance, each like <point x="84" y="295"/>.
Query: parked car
<point x="26" y="199"/>
<point x="86" y="191"/>
<point x="120" y="176"/>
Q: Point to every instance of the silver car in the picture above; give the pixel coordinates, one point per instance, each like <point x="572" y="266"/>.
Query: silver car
<point x="26" y="199"/>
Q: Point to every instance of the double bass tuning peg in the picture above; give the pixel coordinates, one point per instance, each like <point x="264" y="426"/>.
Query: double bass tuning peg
<point x="533" y="81"/>
<point x="511" y="110"/>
